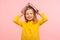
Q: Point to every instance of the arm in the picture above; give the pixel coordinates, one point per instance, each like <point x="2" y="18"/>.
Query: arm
<point x="43" y="20"/>
<point x="17" y="21"/>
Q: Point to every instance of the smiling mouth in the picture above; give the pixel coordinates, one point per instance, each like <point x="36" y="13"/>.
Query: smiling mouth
<point x="29" y="17"/>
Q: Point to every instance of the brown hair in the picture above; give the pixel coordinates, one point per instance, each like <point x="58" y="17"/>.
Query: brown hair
<point x="35" y="18"/>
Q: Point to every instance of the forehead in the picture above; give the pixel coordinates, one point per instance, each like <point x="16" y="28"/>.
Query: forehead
<point x="29" y="11"/>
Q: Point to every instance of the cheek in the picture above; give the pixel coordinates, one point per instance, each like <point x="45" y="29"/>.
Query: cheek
<point x="32" y="16"/>
<point x="26" y="16"/>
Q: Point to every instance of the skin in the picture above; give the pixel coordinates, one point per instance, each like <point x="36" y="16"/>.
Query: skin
<point x="29" y="14"/>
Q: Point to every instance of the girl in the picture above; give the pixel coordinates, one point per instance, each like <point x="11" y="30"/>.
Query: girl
<point x="30" y="28"/>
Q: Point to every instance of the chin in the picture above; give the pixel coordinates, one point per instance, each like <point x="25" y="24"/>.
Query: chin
<point x="29" y="20"/>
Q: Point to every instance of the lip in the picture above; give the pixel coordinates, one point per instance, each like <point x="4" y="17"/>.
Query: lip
<point x="29" y="17"/>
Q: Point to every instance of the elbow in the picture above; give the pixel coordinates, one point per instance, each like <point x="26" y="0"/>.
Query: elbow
<point x="14" y="21"/>
<point x="45" y="20"/>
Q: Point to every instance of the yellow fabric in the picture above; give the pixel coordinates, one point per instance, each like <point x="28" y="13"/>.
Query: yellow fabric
<point x="30" y="31"/>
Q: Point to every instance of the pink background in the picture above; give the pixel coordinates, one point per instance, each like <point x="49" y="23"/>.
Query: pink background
<point x="10" y="8"/>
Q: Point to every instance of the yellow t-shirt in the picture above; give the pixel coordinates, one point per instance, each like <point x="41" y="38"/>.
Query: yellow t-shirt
<point x="30" y="31"/>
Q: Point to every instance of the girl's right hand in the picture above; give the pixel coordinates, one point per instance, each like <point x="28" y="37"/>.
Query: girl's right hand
<point x="21" y="14"/>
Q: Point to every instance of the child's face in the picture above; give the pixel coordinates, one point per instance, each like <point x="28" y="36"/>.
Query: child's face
<point x="29" y="14"/>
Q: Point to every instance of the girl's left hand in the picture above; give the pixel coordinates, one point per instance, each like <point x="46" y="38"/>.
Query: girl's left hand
<point x="38" y="12"/>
